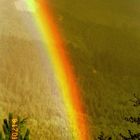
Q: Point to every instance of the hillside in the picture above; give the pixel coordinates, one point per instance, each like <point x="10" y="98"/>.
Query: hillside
<point x="103" y="39"/>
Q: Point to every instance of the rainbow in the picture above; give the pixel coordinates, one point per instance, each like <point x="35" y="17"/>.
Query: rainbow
<point x="62" y="68"/>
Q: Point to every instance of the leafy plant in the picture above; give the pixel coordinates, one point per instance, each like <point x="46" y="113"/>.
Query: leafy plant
<point x="7" y="128"/>
<point x="136" y="101"/>
<point x="103" y="137"/>
<point x="131" y="119"/>
<point x="133" y="136"/>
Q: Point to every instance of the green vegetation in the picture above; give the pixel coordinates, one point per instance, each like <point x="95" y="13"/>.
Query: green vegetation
<point x="7" y="129"/>
<point x="25" y="90"/>
<point x="103" y="137"/>
<point x="131" y="134"/>
<point x="103" y="40"/>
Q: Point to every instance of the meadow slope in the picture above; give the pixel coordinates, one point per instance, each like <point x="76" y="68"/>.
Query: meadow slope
<point x="26" y="87"/>
<point x="103" y="40"/>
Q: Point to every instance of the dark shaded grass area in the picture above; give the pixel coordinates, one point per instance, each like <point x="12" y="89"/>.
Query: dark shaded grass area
<point x="103" y="41"/>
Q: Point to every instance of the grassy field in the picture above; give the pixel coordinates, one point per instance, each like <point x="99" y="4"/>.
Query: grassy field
<point x="25" y="87"/>
<point x="25" y="90"/>
<point x="103" y="40"/>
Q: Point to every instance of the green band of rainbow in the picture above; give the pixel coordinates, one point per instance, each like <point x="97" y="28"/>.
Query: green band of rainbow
<point x="62" y="69"/>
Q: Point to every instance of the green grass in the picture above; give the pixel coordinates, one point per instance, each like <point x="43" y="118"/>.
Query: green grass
<point x="25" y="90"/>
<point x="103" y="40"/>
